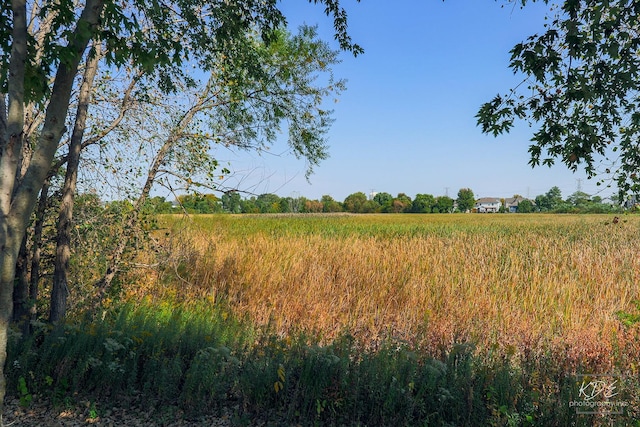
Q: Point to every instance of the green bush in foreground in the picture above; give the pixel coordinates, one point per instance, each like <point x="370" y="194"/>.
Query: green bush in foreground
<point x="201" y="360"/>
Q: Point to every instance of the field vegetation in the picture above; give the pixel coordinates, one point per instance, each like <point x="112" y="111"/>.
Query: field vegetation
<point x="361" y="320"/>
<point x="519" y="284"/>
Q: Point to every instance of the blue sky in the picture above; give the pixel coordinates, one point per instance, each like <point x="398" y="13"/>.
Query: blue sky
<point x="406" y="121"/>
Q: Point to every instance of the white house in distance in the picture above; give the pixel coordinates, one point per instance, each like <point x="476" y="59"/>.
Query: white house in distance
<point x="493" y="204"/>
<point x="488" y="205"/>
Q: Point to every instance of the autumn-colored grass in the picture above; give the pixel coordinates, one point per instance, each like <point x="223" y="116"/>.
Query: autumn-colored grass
<point x="512" y="284"/>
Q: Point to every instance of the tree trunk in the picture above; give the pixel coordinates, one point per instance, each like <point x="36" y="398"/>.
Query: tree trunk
<point x="8" y="260"/>
<point x="60" y="289"/>
<point x="21" y="300"/>
<point x="36" y="246"/>
<point x="9" y="248"/>
<point x="11" y="128"/>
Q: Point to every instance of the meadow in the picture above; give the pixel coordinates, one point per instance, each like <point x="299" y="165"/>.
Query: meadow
<point x="515" y="284"/>
<point x="453" y="319"/>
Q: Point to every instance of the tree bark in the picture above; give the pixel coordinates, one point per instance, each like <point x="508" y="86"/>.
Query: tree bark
<point x="60" y="289"/>
<point x="10" y="149"/>
<point x="34" y="279"/>
<point x="21" y="288"/>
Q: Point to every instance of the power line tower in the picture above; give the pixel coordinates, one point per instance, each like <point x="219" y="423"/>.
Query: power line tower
<point x="579" y="185"/>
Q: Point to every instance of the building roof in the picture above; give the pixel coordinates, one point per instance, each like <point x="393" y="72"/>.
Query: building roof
<point x="513" y="201"/>
<point x="488" y="200"/>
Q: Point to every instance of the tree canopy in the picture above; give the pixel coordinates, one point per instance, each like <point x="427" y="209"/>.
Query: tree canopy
<point x="466" y="200"/>
<point x="580" y="91"/>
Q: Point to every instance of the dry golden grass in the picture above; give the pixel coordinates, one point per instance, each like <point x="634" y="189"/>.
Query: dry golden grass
<point x="514" y="284"/>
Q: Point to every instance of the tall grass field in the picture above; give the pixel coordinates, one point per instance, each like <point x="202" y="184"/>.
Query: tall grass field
<point x="463" y="319"/>
<point x="514" y="284"/>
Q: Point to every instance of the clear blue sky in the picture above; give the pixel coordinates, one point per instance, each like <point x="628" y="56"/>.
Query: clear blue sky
<point x="406" y="121"/>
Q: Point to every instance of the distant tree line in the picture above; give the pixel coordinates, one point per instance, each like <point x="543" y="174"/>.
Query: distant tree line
<point x="578" y="202"/>
<point x="359" y="202"/>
